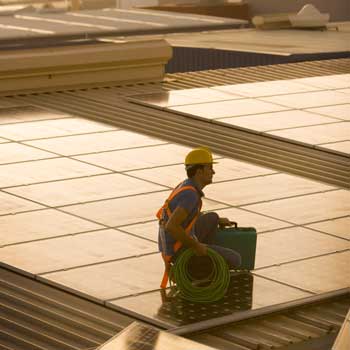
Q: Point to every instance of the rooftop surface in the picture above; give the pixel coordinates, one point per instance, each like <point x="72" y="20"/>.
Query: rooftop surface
<point x="30" y="27"/>
<point x="275" y="42"/>
<point x="79" y="197"/>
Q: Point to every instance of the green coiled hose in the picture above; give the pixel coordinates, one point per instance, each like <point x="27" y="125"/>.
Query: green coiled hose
<point x="213" y="290"/>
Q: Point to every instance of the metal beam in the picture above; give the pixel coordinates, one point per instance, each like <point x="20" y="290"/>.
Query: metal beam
<point x="240" y="316"/>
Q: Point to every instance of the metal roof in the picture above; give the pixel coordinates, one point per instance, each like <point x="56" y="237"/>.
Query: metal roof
<point x="274" y="42"/>
<point x="36" y="316"/>
<point x="187" y="59"/>
<point x="217" y="49"/>
<point x="309" y="326"/>
<point x="255" y="74"/>
<point x="29" y="28"/>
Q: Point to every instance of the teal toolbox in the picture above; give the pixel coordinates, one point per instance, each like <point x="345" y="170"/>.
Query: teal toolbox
<point x="240" y="239"/>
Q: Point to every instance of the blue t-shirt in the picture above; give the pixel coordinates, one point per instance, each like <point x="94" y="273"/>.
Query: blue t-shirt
<point x="190" y="201"/>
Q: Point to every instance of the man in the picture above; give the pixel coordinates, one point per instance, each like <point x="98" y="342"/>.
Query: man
<point x="181" y="223"/>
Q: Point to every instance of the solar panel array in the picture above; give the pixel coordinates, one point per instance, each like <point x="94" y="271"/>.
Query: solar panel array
<point x="310" y="111"/>
<point x="84" y="194"/>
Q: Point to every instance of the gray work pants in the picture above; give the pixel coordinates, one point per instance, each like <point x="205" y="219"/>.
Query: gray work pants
<point x="205" y="230"/>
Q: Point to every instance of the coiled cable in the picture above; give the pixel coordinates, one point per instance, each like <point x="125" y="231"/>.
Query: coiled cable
<point x="212" y="289"/>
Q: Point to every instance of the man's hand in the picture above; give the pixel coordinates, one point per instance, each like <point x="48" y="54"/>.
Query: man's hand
<point x="223" y="222"/>
<point x="200" y="249"/>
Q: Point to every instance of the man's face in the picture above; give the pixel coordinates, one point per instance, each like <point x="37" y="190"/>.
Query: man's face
<point x="207" y="174"/>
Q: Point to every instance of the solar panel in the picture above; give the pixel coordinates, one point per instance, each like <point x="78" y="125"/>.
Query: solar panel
<point x="27" y="113"/>
<point x="246" y="292"/>
<point x="183" y="97"/>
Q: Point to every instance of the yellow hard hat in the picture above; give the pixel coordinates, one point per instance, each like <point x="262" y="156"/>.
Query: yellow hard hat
<point x="199" y="156"/>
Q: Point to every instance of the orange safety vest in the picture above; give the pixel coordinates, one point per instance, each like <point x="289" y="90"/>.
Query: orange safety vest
<point x="178" y="244"/>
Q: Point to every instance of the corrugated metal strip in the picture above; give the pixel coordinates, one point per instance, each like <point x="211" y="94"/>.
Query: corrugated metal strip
<point x="187" y="59"/>
<point x="209" y="78"/>
<point x="312" y="326"/>
<point x="259" y="73"/>
<point x="36" y="316"/>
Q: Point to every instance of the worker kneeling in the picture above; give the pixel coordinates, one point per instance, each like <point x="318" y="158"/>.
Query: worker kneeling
<point x="181" y="223"/>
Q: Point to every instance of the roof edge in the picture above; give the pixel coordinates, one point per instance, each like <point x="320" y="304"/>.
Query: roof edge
<point x="129" y="61"/>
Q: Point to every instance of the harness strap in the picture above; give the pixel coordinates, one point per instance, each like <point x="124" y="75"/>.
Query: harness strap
<point x="178" y="244"/>
<point x="173" y="194"/>
<point x="165" y="279"/>
<point x="167" y="258"/>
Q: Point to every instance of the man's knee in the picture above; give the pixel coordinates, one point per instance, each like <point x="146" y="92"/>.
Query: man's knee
<point x="232" y="257"/>
<point x="212" y="216"/>
<point x="237" y="259"/>
<point x="211" y="219"/>
<point x="206" y="227"/>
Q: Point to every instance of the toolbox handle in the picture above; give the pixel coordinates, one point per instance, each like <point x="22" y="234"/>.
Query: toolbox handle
<point x="234" y="223"/>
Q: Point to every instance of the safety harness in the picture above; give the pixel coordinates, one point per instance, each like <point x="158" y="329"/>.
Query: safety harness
<point x="161" y="216"/>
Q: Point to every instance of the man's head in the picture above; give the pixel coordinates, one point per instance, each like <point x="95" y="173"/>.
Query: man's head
<point x="199" y="166"/>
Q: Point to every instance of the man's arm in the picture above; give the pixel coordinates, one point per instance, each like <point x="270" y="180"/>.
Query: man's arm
<point x="173" y="226"/>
